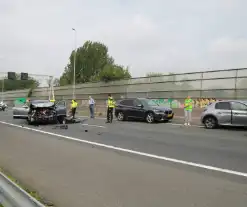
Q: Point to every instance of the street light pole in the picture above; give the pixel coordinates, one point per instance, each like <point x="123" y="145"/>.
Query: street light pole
<point x="2" y="88"/>
<point x="1" y="57"/>
<point x="74" y="62"/>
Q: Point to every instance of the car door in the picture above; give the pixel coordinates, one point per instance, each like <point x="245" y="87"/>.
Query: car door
<point x="239" y="113"/>
<point x="21" y="111"/>
<point x="138" y="111"/>
<point x="128" y="107"/>
<point x="61" y="108"/>
<point x="223" y="112"/>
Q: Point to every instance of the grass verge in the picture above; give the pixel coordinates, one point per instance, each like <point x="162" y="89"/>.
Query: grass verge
<point x="32" y="193"/>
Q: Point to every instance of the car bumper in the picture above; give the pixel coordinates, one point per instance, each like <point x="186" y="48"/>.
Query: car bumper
<point x="163" y="117"/>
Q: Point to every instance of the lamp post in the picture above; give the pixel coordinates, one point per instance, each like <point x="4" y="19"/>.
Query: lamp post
<point x="1" y="57"/>
<point x="74" y="62"/>
<point x="2" y="87"/>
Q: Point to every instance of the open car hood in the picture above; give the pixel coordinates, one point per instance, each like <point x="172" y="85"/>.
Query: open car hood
<point x="42" y="105"/>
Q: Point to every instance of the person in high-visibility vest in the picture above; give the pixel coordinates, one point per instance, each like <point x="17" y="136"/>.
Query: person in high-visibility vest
<point x="74" y="105"/>
<point x="188" y="106"/>
<point x="110" y="107"/>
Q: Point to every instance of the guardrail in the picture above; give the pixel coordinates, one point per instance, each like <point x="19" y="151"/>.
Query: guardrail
<point x="11" y="195"/>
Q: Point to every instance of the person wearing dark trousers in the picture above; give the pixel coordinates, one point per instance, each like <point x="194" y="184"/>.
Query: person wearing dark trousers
<point x="73" y="107"/>
<point x="110" y="107"/>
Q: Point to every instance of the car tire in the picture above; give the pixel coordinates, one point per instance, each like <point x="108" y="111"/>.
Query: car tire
<point x="29" y="121"/>
<point x="210" y="122"/>
<point x="61" y="119"/>
<point x="150" y="117"/>
<point x="120" y="116"/>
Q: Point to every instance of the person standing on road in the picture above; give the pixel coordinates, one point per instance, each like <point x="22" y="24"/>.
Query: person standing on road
<point x="91" y="104"/>
<point x="110" y="107"/>
<point x="188" y="106"/>
<point x="74" y="105"/>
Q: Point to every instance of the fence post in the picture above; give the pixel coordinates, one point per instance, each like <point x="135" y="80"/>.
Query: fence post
<point x="174" y="82"/>
<point x="201" y="85"/>
<point x="235" y="89"/>
<point x="148" y="91"/>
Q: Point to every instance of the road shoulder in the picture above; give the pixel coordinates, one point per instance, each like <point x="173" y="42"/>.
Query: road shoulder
<point x="72" y="174"/>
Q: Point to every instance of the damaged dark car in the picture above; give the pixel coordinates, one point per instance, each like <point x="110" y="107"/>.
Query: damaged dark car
<point x="45" y="112"/>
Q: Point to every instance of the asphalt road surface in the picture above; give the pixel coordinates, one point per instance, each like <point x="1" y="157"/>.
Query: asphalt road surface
<point x="139" y="164"/>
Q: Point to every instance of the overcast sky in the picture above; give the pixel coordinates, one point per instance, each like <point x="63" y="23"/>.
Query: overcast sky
<point x="152" y="35"/>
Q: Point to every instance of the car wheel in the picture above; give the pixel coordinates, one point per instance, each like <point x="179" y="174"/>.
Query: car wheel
<point x="61" y="119"/>
<point x="29" y="121"/>
<point x="210" y="122"/>
<point x="120" y="116"/>
<point x="150" y="117"/>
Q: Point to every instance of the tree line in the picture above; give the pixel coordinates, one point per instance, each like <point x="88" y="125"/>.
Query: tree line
<point x="92" y="63"/>
<point x="18" y="84"/>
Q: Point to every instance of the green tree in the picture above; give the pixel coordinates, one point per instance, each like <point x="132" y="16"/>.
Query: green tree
<point x="10" y="85"/>
<point x="113" y="73"/>
<point x="91" y="59"/>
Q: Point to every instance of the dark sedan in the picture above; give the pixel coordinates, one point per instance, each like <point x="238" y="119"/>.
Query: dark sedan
<point x="142" y="109"/>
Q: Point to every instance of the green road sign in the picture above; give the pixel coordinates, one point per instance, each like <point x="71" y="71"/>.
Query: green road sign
<point x="21" y="100"/>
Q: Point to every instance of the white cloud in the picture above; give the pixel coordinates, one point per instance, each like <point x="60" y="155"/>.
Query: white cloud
<point x="229" y="45"/>
<point x="158" y="35"/>
<point x="228" y="52"/>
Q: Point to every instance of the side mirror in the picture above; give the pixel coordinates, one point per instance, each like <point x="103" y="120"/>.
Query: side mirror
<point x="140" y="105"/>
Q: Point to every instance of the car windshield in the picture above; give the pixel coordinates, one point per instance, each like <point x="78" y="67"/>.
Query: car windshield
<point x="149" y="102"/>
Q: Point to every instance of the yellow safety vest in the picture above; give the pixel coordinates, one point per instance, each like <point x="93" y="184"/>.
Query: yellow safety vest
<point x="110" y="103"/>
<point x="74" y="104"/>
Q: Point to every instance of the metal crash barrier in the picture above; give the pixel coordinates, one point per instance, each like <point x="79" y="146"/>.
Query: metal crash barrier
<point x="11" y="195"/>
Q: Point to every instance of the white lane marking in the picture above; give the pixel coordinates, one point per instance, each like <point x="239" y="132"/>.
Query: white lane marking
<point x="175" y="124"/>
<point x="192" y="164"/>
<point x="92" y="125"/>
<point x="199" y="126"/>
<point x="91" y="118"/>
<point x="179" y="117"/>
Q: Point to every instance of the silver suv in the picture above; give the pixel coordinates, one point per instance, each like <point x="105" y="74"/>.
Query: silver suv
<point x="227" y="113"/>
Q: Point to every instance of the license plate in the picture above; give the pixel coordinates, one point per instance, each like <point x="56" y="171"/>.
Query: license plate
<point x="169" y="115"/>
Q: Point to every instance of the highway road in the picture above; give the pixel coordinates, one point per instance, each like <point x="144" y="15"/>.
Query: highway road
<point x="128" y="163"/>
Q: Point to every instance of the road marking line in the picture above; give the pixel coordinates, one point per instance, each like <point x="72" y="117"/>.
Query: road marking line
<point x="179" y="117"/>
<point x="92" y="118"/>
<point x="175" y="124"/>
<point x="185" y="126"/>
<point x="192" y="164"/>
<point x="92" y="125"/>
